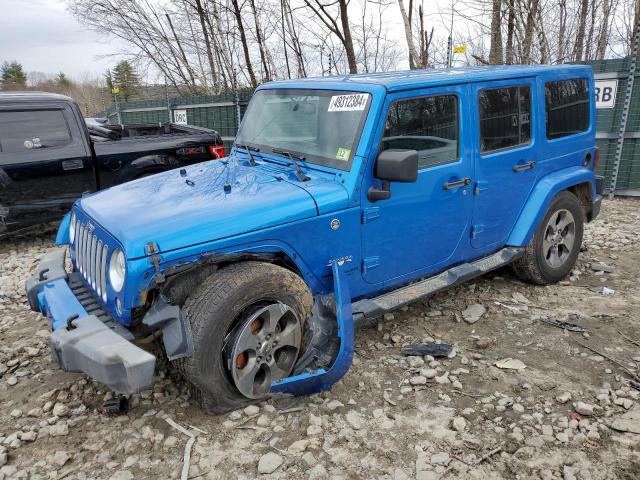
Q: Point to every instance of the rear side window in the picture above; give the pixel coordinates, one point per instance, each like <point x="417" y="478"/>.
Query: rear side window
<point x="21" y="131"/>
<point x="567" y="105"/>
<point x="505" y="117"/>
<point x="428" y="125"/>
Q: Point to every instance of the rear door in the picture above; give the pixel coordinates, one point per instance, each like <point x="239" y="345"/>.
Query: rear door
<point x="505" y="159"/>
<point x="45" y="163"/>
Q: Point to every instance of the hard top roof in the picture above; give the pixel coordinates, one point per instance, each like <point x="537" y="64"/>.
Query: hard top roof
<point x="437" y="76"/>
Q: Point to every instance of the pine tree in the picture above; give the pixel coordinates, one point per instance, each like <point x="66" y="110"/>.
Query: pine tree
<point x="12" y="76"/>
<point x="62" y="81"/>
<point x="126" y="78"/>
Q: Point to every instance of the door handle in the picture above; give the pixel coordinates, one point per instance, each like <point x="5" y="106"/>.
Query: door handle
<point x="524" y="166"/>
<point x="457" y="184"/>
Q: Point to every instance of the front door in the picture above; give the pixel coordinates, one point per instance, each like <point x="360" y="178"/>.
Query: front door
<point x="44" y="163"/>
<point x="506" y="161"/>
<point x="424" y="224"/>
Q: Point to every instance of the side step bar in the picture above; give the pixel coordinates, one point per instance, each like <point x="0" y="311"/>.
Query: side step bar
<point x="370" y="309"/>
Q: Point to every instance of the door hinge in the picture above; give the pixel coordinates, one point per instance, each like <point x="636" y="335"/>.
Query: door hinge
<point x="476" y="230"/>
<point x="369" y="214"/>
<point x="370" y="263"/>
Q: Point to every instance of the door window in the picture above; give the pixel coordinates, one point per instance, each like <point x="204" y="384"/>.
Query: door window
<point x="567" y="106"/>
<point x="505" y="117"/>
<point x="21" y="131"/>
<point x="428" y="125"/>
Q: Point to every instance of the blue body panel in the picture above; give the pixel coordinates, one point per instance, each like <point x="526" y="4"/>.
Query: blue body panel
<point x="312" y="382"/>
<point x="230" y="207"/>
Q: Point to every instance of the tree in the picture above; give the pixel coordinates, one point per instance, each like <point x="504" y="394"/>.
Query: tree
<point x="126" y="78"/>
<point x="12" y="76"/>
<point x="62" y="81"/>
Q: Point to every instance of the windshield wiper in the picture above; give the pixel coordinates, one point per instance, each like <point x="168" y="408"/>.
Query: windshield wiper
<point x="249" y="148"/>
<point x="300" y="174"/>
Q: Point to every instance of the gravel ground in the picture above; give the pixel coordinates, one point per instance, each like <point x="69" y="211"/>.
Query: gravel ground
<point x="569" y="414"/>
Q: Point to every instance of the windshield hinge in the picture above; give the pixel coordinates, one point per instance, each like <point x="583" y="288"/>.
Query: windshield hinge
<point x="152" y="250"/>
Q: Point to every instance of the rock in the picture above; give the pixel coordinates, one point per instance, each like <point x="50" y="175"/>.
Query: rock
<point x="29" y="436"/>
<point x="4" y="458"/>
<point x="355" y="419"/>
<point x="415" y="362"/>
<point x="60" y="410"/>
<point x="482" y="343"/>
<point x="418" y="380"/>
<point x="440" y="458"/>
<point x="562" y="437"/>
<point x="60" y="458"/>
<point x="518" y="408"/>
<point x="12" y="381"/>
<point x="547" y="430"/>
<point x="429" y="372"/>
<point x="122" y="475"/>
<point x="170" y="441"/>
<point x="583" y="408"/>
<point x="269" y="463"/>
<point x="443" y="379"/>
<point x="601" y="267"/>
<point x="16" y="413"/>
<point x="564" y="397"/>
<point x="314" y="430"/>
<point x="459" y="424"/>
<point x="627" y="422"/>
<point x="298" y="446"/>
<point x="333" y="404"/>
<point x="473" y="313"/>
<point x="59" y="430"/>
<point x="251" y="410"/>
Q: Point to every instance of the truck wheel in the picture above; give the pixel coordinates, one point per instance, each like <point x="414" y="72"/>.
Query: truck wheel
<point x="554" y="248"/>
<point x="247" y="322"/>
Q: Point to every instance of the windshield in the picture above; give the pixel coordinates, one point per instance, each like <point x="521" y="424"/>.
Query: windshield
<point x="319" y="126"/>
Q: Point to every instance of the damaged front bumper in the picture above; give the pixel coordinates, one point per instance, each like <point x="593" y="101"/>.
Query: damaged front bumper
<point x="86" y="342"/>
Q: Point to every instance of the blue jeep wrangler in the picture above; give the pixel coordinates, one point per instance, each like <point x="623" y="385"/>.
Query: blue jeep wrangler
<point x="343" y="198"/>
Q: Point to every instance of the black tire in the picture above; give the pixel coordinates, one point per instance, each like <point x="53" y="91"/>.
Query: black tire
<point x="215" y="308"/>
<point x="533" y="266"/>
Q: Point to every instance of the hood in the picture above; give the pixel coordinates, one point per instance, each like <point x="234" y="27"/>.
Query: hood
<point x="180" y="208"/>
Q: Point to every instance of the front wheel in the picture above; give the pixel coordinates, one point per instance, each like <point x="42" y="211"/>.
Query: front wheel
<point x="247" y="322"/>
<point x="554" y="248"/>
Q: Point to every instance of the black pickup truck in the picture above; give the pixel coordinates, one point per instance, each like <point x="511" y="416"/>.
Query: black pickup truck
<point x="49" y="155"/>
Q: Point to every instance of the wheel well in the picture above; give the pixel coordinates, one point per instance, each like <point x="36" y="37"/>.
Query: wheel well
<point x="181" y="282"/>
<point x="583" y="192"/>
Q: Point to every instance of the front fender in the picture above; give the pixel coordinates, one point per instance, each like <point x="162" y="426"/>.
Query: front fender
<point x="142" y="272"/>
<point x="148" y="163"/>
<point x="540" y="199"/>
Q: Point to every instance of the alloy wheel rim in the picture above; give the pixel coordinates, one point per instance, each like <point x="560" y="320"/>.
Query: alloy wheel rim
<point x="559" y="238"/>
<point x="265" y="349"/>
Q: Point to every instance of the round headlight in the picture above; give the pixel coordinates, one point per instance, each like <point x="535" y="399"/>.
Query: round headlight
<point x="117" y="270"/>
<point x="72" y="228"/>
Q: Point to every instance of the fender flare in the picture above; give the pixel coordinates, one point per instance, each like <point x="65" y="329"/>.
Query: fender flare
<point x="62" y="237"/>
<point x="147" y="163"/>
<point x="540" y="198"/>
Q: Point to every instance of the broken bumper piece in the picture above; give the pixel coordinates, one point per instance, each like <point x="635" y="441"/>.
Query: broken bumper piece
<point x="81" y="342"/>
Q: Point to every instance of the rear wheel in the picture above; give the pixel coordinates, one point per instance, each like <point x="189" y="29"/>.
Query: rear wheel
<point x="554" y="248"/>
<point x="247" y="322"/>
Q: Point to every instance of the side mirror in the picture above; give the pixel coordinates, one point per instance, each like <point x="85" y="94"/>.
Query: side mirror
<point x="393" y="165"/>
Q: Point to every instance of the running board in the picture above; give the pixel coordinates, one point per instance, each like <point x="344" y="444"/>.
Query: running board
<point x="369" y="309"/>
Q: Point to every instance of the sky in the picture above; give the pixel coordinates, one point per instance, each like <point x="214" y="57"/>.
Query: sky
<point x="44" y="37"/>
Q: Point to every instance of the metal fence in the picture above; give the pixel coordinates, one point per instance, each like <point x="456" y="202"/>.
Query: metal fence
<point x="219" y="112"/>
<point x="618" y="139"/>
<point x="619" y="150"/>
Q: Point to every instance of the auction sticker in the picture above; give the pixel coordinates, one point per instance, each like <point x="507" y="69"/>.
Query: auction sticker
<point x="348" y="103"/>
<point x="343" y="154"/>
